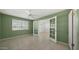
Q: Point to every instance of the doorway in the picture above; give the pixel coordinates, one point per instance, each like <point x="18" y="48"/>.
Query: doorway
<point x="35" y="28"/>
<point x="43" y="28"/>
<point x="48" y="28"/>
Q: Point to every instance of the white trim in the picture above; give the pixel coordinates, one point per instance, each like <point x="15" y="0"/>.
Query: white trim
<point x="14" y="37"/>
<point x="75" y="29"/>
<point x="33" y="27"/>
<point x="55" y="29"/>
<point x="38" y="28"/>
<point x="63" y="43"/>
<point x="70" y="29"/>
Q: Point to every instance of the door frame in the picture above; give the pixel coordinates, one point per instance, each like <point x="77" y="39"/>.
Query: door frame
<point x="73" y="26"/>
<point x="54" y="17"/>
<point x="34" y="28"/>
<point x="70" y="29"/>
<point x="39" y="25"/>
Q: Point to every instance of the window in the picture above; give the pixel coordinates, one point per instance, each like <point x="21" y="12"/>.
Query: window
<point x="19" y="24"/>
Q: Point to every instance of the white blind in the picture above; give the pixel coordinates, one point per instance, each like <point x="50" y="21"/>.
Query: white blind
<point x="20" y="24"/>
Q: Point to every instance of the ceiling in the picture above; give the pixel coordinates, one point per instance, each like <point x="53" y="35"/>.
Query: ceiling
<point x="35" y="13"/>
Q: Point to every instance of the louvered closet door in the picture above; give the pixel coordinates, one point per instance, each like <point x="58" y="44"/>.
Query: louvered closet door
<point x="53" y="29"/>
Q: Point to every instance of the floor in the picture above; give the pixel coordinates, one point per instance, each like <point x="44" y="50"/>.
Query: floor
<point x="29" y="42"/>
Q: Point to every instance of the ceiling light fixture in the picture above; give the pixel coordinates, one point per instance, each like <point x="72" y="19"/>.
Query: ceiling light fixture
<point x="29" y="13"/>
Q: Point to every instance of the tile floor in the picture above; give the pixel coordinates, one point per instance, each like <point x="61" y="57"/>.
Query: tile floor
<point x="29" y="42"/>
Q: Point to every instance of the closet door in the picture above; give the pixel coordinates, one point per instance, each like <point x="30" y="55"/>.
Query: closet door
<point x="53" y="31"/>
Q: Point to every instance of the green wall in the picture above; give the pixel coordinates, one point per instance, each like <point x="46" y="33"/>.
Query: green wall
<point x="62" y="25"/>
<point x="6" y="23"/>
<point x="78" y="30"/>
<point x="62" y="28"/>
<point x="0" y="26"/>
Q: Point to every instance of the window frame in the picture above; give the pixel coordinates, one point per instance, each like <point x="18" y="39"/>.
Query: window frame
<point x="19" y="25"/>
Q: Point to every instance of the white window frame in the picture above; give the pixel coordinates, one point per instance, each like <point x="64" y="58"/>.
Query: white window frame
<point x="20" y="25"/>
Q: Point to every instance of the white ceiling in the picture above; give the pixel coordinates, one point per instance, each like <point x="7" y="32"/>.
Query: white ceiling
<point x="36" y="13"/>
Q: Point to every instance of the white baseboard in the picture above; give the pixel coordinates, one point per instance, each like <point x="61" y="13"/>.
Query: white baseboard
<point x="53" y="40"/>
<point x="12" y="37"/>
<point x="62" y="43"/>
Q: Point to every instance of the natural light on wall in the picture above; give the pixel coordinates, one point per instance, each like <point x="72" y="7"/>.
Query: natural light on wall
<point x="19" y="24"/>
